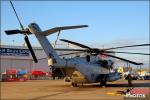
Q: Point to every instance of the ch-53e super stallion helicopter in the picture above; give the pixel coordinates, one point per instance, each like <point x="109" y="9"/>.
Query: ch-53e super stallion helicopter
<point x="85" y="71"/>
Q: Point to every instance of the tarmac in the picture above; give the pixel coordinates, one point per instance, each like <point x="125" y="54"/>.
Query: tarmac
<point x="60" y="90"/>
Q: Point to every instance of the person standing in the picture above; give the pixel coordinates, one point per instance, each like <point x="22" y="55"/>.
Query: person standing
<point x="129" y="77"/>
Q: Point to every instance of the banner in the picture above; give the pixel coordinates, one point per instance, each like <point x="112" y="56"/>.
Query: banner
<point x="14" y="52"/>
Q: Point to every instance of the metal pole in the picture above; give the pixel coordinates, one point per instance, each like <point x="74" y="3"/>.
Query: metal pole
<point x="11" y="63"/>
<point x="127" y="67"/>
<point x="30" y="68"/>
<point x="140" y="69"/>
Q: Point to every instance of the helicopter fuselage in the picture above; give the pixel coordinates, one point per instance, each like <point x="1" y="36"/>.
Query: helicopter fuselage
<point x="91" y="72"/>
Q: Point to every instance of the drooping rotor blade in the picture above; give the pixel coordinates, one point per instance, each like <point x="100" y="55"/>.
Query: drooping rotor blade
<point x="75" y="43"/>
<point x="11" y="32"/>
<point x="71" y="53"/>
<point x="58" y="49"/>
<point x="132" y="62"/>
<point x="57" y="29"/>
<point x="128" y="46"/>
<point x="126" y="52"/>
<point x="30" y="48"/>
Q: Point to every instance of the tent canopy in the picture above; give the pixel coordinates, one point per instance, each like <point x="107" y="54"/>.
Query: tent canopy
<point x="36" y="72"/>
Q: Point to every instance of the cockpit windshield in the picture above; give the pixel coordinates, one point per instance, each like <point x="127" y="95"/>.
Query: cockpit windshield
<point x="107" y="63"/>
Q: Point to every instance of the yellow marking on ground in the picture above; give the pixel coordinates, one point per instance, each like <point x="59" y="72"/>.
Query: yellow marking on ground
<point x="113" y="93"/>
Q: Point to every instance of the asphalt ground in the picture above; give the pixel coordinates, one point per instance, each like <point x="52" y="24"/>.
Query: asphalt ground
<point x="60" y="90"/>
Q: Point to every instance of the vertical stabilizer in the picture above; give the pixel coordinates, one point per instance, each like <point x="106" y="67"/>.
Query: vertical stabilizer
<point x="47" y="47"/>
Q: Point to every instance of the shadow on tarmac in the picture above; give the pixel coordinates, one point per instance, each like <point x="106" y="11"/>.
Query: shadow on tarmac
<point x="126" y="85"/>
<point x="122" y="84"/>
<point x="91" y="86"/>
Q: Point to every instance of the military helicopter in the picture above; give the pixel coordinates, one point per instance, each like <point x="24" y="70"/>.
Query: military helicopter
<point x="85" y="71"/>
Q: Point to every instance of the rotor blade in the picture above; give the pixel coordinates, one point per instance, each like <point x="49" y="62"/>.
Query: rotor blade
<point x="75" y="43"/>
<point x="71" y="53"/>
<point x="128" y="46"/>
<point x="132" y="62"/>
<point x="30" y="48"/>
<point x="58" y="49"/>
<point x="17" y="15"/>
<point x="127" y="52"/>
<point x="11" y="32"/>
<point x="57" y="29"/>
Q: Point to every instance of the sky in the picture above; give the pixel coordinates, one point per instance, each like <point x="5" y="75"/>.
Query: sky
<point x="111" y="23"/>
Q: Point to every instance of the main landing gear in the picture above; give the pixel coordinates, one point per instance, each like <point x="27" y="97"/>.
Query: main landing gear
<point x="103" y="83"/>
<point x="74" y="84"/>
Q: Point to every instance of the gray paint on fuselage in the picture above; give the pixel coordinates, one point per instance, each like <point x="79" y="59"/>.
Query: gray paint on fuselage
<point x="89" y="69"/>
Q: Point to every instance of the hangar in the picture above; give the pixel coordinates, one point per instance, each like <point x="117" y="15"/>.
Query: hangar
<point x="15" y="57"/>
<point x="19" y="57"/>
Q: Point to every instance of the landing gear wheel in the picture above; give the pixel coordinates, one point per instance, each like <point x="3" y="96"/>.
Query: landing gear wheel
<point x="103" y="83"/>
<point x="74" y="84"/>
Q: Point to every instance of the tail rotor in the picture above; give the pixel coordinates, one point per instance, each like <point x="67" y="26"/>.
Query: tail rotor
<point x="24" y="32"/>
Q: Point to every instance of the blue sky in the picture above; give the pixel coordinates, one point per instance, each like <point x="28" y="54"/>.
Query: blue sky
<point x="110" y="23"/>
